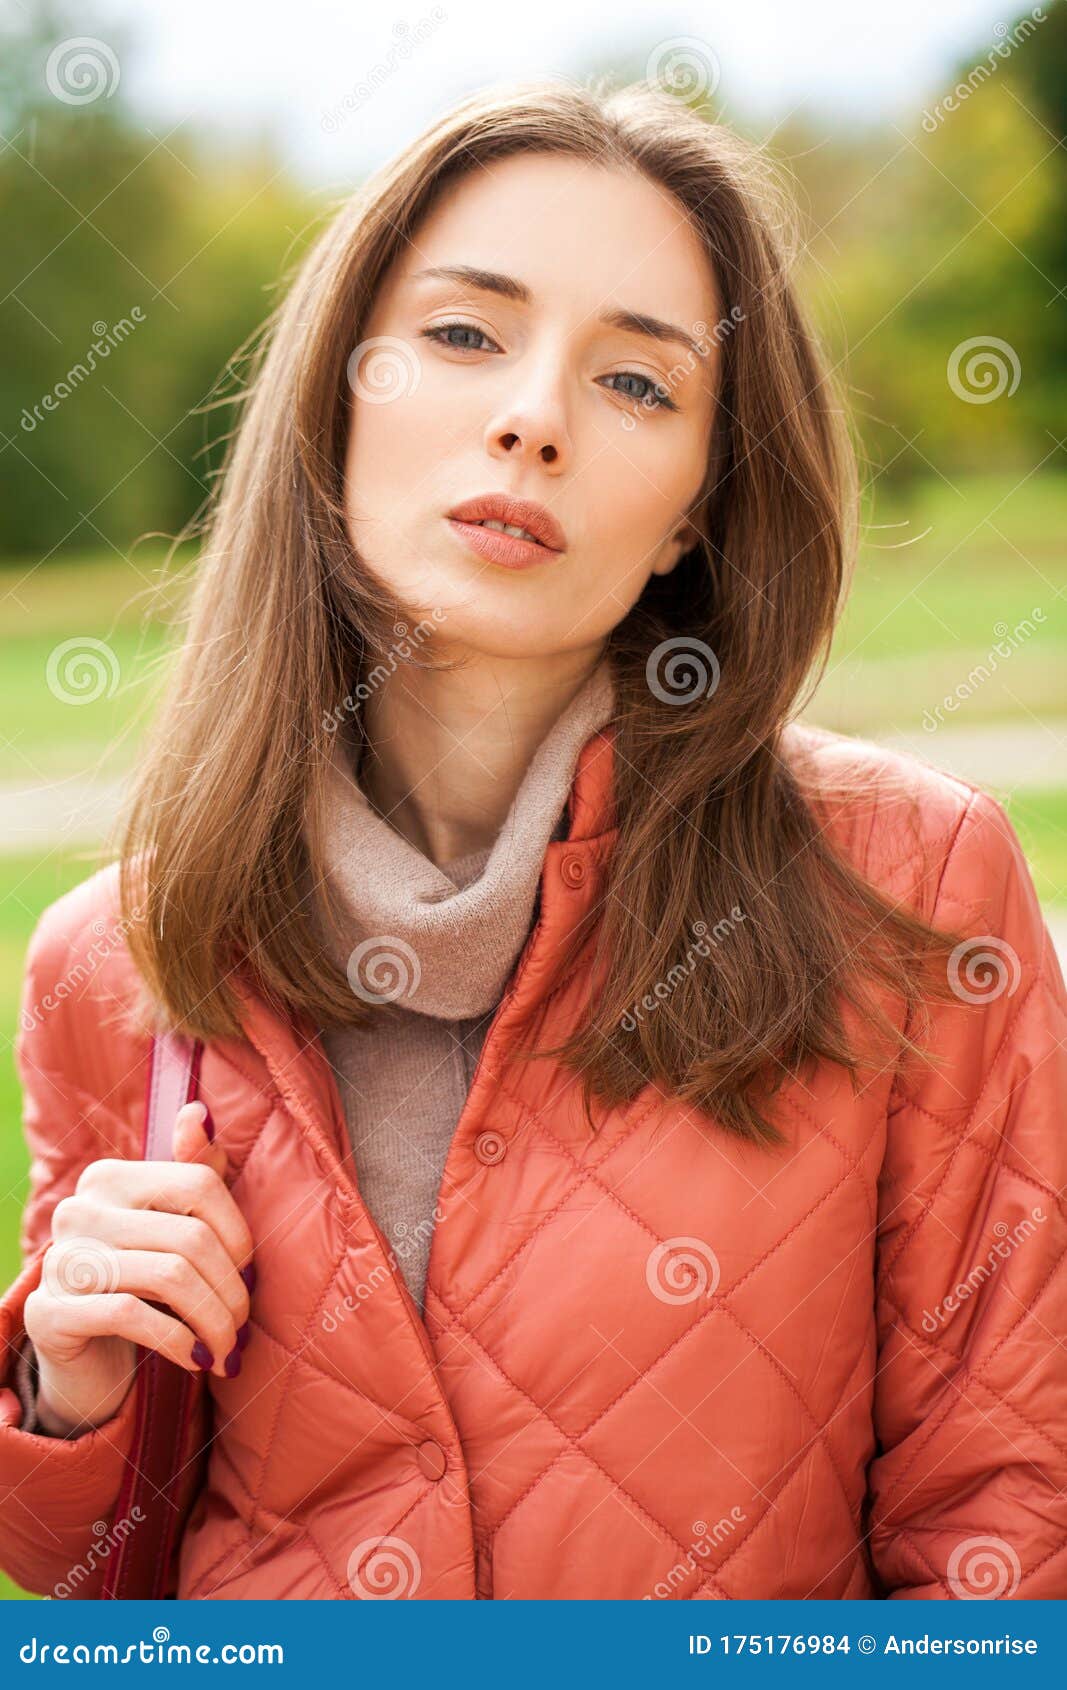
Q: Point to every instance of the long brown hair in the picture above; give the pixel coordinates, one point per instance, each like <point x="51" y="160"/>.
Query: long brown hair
<point x="221" y="863"/>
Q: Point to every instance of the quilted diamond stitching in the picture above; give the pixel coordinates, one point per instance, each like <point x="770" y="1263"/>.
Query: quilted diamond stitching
<point x="934" y="1426"/>
<point x="963" y="1139"/>
<point x="792" y="1471"/>
<point x="576" y="1448"/>
<point x="821" y="1438"/>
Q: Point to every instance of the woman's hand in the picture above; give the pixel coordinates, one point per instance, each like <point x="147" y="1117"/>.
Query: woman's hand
<point x="131" y="1236"/>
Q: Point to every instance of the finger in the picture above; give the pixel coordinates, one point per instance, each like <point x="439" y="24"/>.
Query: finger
<point x="192" y="1138"/>
<point x="159" y="1276"/>
<point x="176" y="1188"/>
<point x="119" y="1314"/>
<point x="87" y="1231"/>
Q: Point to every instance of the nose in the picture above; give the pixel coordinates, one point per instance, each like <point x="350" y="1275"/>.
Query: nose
<point x="531" y="423"/>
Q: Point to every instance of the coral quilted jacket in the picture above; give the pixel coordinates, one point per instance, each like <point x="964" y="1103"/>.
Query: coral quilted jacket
<point x="655" y="1361"/>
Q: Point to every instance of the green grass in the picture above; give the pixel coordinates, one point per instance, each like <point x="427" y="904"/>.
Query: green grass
<point x="83" y="646"/>
<point x="940" y="576"/>
<point x="941" y="570"/>
<point x="1040" y="820"/>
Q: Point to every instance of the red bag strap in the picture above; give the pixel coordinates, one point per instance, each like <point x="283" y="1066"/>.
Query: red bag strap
<point x="165" y="1391"/>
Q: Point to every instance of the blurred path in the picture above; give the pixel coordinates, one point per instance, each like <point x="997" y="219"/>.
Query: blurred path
<point x="1003" y="757"/>
<point x="62" y="812"/>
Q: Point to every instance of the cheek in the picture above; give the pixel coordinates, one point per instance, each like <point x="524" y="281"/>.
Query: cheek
<point x="640" y="493"/>
<point x="390" y="446"/>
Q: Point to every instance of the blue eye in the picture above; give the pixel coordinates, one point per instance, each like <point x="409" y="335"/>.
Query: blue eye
<point x="654" y="397"/>
<point x="441" y="330"/>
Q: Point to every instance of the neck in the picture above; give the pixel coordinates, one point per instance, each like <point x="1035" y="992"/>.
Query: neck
<point x="446" y="751"/>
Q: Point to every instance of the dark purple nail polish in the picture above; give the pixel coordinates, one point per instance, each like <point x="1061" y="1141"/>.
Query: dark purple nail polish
<point x="243" y="1334"/>
<point x="209" y="1125"/>
<point x="248" y="1274"/>
<point x="232" y="1364"/>
<point x="202" y="1355"/>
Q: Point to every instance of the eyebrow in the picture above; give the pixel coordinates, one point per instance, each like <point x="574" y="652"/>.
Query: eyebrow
<point x="509" y="287"/>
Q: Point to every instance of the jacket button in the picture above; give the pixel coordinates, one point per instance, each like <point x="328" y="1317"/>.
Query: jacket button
<point x="431" y="1458"/>
<point x="572" y="868"/>
<point x="490" y="1147"/>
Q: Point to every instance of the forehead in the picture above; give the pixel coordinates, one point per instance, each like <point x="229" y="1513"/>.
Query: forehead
<point x="578" y="234"/>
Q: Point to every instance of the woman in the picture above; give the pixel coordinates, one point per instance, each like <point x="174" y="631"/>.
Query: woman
<point x="641" y="1114"/>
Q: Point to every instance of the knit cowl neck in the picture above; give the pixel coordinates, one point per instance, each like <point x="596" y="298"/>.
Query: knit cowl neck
<point x="444" y="940"/>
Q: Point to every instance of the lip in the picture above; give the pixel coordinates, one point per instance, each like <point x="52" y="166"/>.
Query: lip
<point x="518" y="513"/>
<point x="504" y="549"/>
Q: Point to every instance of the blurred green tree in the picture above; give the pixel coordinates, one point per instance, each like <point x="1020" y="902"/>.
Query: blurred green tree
<point x="134" y="266"/>
<point x="951" y="230"/>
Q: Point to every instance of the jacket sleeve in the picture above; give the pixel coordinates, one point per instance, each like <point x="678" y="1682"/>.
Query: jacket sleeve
<point x="967" y="1491"/>
<point x="56" y="1494"/>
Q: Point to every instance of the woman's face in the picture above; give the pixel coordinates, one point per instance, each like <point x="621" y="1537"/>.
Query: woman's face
<point x="538" y="394"/>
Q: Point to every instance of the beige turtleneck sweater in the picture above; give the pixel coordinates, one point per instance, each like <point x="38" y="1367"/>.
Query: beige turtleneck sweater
<point x="404" y="1077"/>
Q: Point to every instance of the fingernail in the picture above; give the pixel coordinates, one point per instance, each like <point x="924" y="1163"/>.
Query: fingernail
<point x="202" y="1355"/>
<point x="209" y="1125"/>
<point x="232" y="1364"/>
<point x="243" y="1334"/>
<point x="248" y="1274"/>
